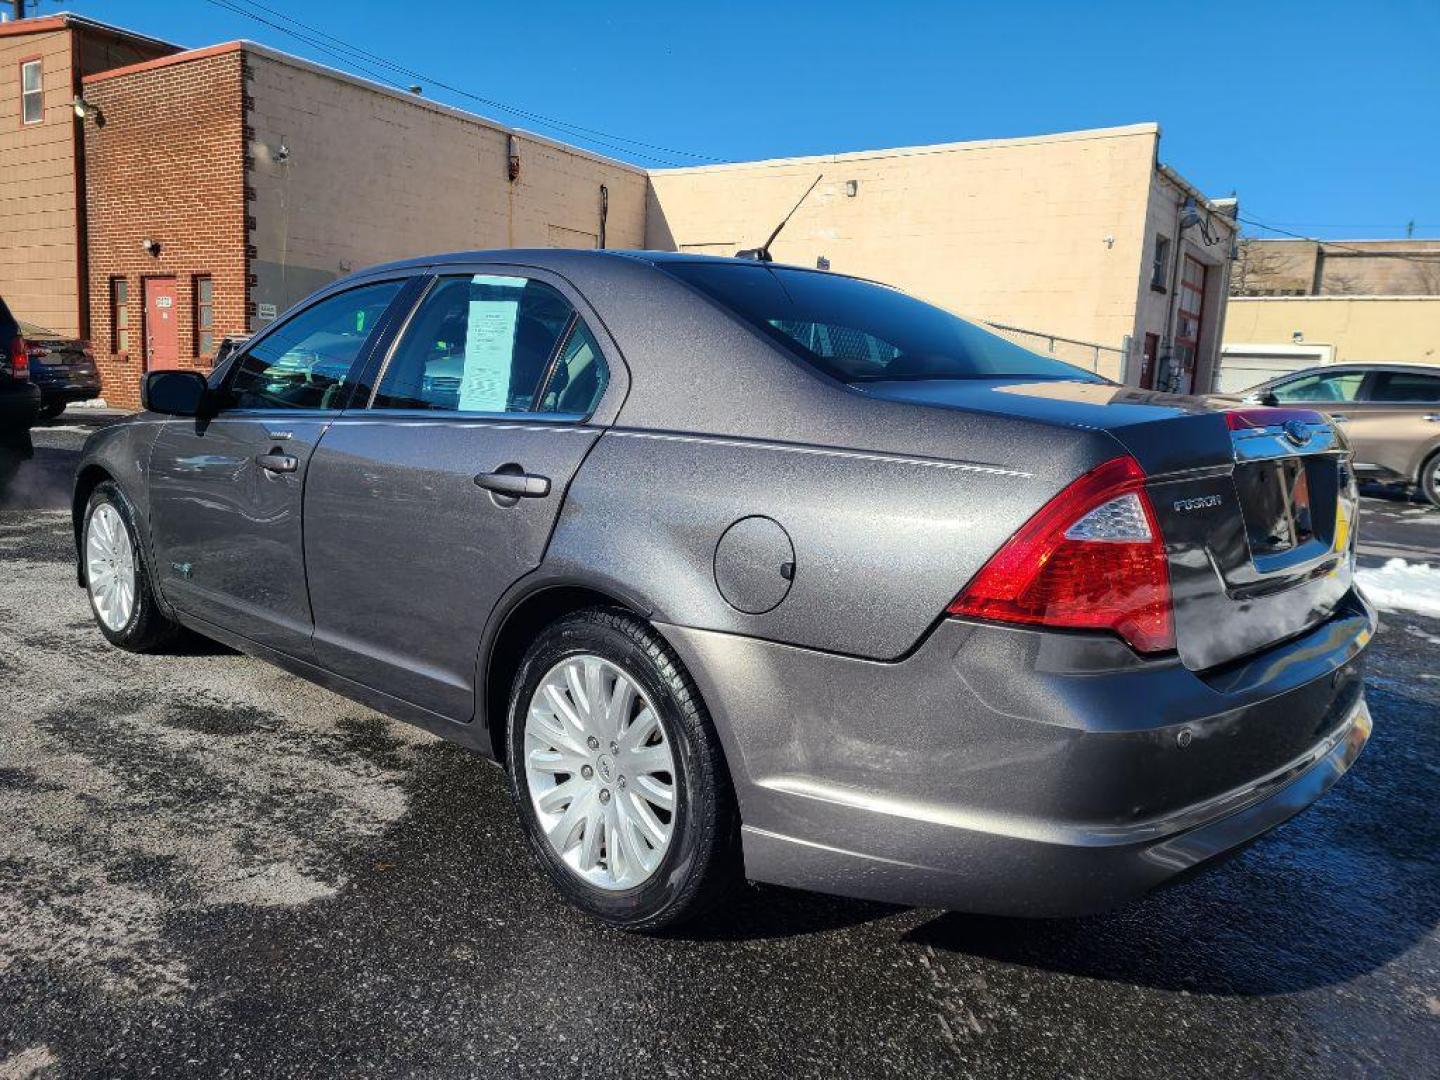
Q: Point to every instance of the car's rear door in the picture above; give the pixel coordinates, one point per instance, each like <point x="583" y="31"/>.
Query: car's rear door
<point x="1395" y="422"/>
<point x="425" y="505"/>
<point x="225" y="491"/>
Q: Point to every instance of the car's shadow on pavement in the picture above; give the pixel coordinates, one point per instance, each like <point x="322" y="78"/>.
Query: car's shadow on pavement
<point x="1335" y="893"/>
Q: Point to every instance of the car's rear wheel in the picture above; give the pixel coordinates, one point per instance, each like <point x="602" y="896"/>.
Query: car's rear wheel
<point x="117" y="577"/>
<point x="1430" y="478"/>
<point x="617" y="773"/>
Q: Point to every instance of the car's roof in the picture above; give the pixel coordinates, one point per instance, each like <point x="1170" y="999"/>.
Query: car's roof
<point x="1353" y="366"/>
<point x="558" y="258"/>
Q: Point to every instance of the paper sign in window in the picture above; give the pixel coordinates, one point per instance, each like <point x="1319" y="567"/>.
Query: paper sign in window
<point x="489" y="348"/>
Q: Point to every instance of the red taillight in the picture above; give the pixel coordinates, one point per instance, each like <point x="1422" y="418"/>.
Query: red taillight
<point x="1092" y="559"/>
<point x="19" y="358"/>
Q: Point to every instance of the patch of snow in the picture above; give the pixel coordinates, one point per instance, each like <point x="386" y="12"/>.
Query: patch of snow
<point x="1402" y="586"/>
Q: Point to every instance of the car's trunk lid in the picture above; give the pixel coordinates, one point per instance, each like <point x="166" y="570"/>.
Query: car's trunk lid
<point x="1256" y="506"/>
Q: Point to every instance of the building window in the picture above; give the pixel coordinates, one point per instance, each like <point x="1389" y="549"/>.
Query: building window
<point x="204" y="315"/>
<point x="32" y="93"/>
<point x="1160" y="268"/>
<point x="119" y="315"/>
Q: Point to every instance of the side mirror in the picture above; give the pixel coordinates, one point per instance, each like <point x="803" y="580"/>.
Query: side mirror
<point x="1269" y="398"/>
<point x="174" y="393"/>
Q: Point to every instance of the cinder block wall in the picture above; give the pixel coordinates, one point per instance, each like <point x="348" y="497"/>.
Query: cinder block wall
<point x="1393" y="329"/>
<point x="168" y="164"/>
<point x="368" y="175"/>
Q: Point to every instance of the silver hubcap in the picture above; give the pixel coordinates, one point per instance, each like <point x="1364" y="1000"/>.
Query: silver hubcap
<point x="600" y="772"/>
<point x="110" y="567"/>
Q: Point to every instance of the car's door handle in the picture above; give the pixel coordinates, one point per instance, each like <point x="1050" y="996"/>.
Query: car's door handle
<point x="277" y="462"/>
<point x="518" y="485"/>
<point x="1339" y="418"/>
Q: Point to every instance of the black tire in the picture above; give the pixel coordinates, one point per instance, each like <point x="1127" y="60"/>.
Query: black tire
<point x="702" y="862"/>
<point x="147" y="628"/>
<point x="51" y="409"/>
<point x="1430" y="479"/>
<point x="17" y="441"/>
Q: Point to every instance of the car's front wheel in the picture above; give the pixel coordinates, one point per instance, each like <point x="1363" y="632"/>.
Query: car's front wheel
<point x="1430" y="479"/>
<point x="117" y="578"/>
<point x="617" y="773"/>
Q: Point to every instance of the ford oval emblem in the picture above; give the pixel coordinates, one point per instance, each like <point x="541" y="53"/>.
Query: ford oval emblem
<point x="1297" y="431"/>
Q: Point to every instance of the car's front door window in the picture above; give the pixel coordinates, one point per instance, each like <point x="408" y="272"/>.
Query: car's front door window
<point x="1325" y="386"/>
<point x="307" y="362"/>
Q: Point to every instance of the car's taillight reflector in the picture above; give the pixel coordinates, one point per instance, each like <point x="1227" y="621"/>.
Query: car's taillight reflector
<point x="1092" y="558"/>
<point x="19" y="358"/>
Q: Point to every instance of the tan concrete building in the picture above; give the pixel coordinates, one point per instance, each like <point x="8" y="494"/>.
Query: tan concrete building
<point x="1268" y="336"/>
<point x="1072" y="236"/>
<point x="1298" y="303"/>
<point x="1336" y="268"/>
<point x="42" y="214"/>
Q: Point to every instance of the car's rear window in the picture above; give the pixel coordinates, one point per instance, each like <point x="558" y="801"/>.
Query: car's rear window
<point x="857" y="331"/>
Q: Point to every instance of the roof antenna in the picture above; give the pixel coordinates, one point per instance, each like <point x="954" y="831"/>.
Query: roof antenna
<point x="762" y="253"/>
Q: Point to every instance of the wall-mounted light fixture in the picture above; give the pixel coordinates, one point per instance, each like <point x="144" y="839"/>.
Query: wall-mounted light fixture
<point x="150" y="246"/>
<point x="512" y="158"/>
<point x="86" y="111"/>
<point x="1297" y="336"/>
<point x="822" y="263"/>
<point x="280" y="154"/>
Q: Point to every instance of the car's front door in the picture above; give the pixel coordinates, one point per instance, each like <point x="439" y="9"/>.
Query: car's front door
<point x="424" y="507"/>
<point x="225" y="490"/>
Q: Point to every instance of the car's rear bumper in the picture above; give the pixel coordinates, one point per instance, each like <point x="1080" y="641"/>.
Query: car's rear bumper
<point x="1019" y="772"/>
<point x="78" y="390"/>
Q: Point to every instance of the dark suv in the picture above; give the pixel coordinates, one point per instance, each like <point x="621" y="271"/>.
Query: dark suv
<point x="19" y="398"/>
<point x="62" y="368"/>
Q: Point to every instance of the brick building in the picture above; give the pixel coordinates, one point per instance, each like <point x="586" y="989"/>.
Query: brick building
<point x="226" y="183"/>
<point x="42" y="190"/>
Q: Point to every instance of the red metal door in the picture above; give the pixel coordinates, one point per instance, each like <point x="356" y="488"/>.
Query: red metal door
<point x="1187" y="326"/>
<point x="162" y="339"/>
<point x="1147" y="361"/>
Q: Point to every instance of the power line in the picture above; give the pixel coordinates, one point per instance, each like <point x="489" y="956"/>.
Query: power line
<point x="1397" y="256"/>
<point x="353" y="56"/>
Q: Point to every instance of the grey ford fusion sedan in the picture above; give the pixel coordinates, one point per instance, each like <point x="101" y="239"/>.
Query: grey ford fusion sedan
<point x="749" y="571"/>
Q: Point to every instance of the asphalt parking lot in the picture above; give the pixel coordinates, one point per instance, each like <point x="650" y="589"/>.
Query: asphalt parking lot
<point x="208" y="867"/>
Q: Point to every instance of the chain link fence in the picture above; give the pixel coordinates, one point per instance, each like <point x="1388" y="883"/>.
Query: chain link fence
<point x="1105" y="360"/>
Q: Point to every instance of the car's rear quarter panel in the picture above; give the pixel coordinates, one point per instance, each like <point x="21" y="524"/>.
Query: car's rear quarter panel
<point x="881" y="543"/>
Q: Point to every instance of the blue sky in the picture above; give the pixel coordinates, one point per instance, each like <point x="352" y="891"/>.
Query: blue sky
<point x="1323" y="117"/>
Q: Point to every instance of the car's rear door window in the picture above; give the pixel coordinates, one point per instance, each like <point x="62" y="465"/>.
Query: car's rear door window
<point x="487" y="343"/>
<point x="1405" y="387"/>
<point x="306" y="362"/>
<point x="857" y="331"/>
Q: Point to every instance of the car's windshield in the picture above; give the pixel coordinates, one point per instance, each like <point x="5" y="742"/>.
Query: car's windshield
<point x="857" y="331"/>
